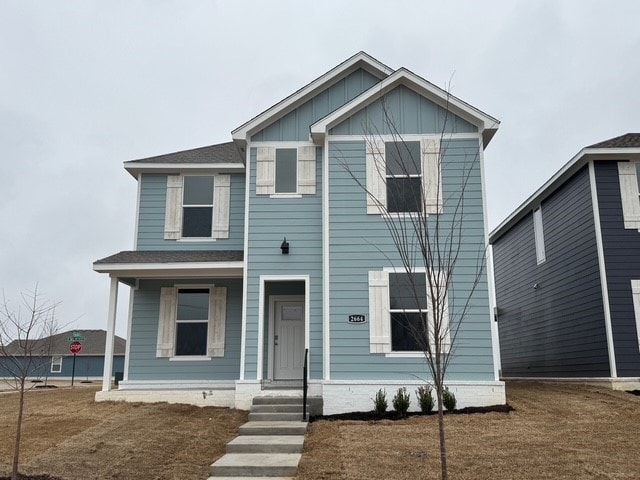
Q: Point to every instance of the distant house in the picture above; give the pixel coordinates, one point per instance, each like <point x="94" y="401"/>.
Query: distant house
<point x="567" y="272"/>
<point x="250" y="253"/>
<point x="52" y="358"/>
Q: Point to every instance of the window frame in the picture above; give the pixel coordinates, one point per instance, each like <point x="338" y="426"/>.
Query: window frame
<point x="422" y="311"/>
<point x="178" y="321"/>
<point x="57" y="363"/>
<point x="295" y="193"/>
<point x="184" y="207"/>
<point x="398" y="146"/>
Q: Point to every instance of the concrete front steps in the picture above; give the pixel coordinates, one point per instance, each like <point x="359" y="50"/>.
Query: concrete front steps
<point x="269" y="445"/>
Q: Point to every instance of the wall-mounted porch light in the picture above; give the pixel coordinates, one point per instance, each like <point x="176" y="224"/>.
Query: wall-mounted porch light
<point x="285" y="246"/>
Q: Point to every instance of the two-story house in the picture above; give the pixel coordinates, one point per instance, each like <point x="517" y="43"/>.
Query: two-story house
<point x="251" y="253"/>
<point x="567" y="272"/>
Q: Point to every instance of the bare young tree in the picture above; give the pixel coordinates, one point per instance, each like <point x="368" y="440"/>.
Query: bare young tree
<point x="427" y="226"/>
<point x="25" y="347"/>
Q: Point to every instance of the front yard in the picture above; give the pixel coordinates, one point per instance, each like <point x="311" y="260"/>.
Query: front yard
<point x="555" y="432"/>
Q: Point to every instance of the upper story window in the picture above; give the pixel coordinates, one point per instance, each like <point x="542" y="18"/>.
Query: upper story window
<point x="538" y="232"/>
<point x="197" y="207"/>
<point x="629" y="177"/>
<point x="403" y="176"/>
<point x="286" y="171"/>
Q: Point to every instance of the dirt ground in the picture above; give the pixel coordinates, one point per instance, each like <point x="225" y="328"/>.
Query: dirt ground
<point x="66" y="434"/>
<point x="556" y="432"/>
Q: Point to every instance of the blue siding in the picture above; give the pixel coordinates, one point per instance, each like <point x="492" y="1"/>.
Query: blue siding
<point x="86" y="366"/>
<point x="300" y="221"/>
<point x="410" y="113"/>
<point x="153" y="194"/>
<point x="361" y="243"/>
<point x="622" y="259"/>
<point x="294" y="126"/>
<point x="556" y="330"/>
<point x="143" y="364"/>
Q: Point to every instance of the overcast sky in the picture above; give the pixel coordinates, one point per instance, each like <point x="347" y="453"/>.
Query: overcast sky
<point x="86" y="85"/>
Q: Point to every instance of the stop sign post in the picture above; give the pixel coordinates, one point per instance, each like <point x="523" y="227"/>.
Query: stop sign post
<point x="75" y="348"/>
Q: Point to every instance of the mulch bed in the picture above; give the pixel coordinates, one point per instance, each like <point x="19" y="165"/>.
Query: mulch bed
<point x="392" y="415"/>
<point x="634" y="392"/>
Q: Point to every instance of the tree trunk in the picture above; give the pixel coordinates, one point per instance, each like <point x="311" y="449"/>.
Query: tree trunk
<point x="16" y="449"/>
<point x="439" y="381"/>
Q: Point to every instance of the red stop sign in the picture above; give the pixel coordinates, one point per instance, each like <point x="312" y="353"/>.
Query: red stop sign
<point x="75" y="347"/>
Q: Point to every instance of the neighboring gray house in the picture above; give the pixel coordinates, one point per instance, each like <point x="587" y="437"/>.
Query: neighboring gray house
<point x="248" y="253"/>
<point x="52" y="358"/>
<point x="567" y="272"/>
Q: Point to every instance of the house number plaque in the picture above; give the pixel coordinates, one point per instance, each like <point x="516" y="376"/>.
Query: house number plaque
<point x="357" y="319"/>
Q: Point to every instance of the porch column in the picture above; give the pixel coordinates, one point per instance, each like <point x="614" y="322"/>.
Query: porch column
<point x="111" y="330"/>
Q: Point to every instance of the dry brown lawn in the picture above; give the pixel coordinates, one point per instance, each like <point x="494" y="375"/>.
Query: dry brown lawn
<point x="556" y="432"/>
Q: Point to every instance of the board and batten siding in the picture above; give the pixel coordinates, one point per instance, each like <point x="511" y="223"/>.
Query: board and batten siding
<point x="551" y="315"/>
<point x="411" y="114"/>
<point x="299" y="219"/>
<point x="622" y="262"/>
<point x="360" y="243"/>
<point x="143" y="364"/>
<point x="151" y="217"/>
<point x="294" y="126"/>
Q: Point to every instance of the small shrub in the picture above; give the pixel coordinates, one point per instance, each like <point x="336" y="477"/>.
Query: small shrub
<point x="380" y="402"/>
<point x="425" y="399"/>
<point x="448" y="399"/>
<point x="401" y="402"/>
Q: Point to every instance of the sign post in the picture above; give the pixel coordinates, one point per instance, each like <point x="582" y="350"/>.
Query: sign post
<point x="74" y="347"/>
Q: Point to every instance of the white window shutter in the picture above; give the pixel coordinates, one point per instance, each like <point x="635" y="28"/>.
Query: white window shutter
<point x="629" y="194"/>
<point x="221" y="196"/>
<point x="217" y="321"/>
<point x="438" y="299"/>
<point x="635" y="291"/>
<point x="379" y="321"/>
<point x="431" y="175"/>
<point x="376" y="176"/>
<point x="307" y="170"/>
<point x="167" y="321"/>
<point x="265" y="170"/>
<point x="173" y="212"/>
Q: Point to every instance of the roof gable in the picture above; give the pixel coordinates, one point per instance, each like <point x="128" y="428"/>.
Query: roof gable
<point x="58" y="344"/>
<point x="360" y="60"/>
<point x="486" y="124"/>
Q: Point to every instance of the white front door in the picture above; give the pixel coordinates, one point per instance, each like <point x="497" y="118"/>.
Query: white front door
<point x="288" y="340"/>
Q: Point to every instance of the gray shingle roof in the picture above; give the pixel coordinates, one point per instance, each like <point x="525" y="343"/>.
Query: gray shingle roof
<point x="628" y="140"/>
<point x="93" y="344"/>
<point x="220" y="153"/>
<point x="170" y="256"/>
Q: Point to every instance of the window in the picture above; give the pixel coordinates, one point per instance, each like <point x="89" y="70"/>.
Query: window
<point x="197" y="207"/>
<point x="197" y="204"/>
<point x="401" y="312"/>
<point x="629" y="177"/>
<point x="538" y="232"/>
<point x="192" y="322"/>
<point x="56" y="364"/>
<point x="403" y="176"/>
<point x="635" y="292"/>
<point x="286" y="171"/>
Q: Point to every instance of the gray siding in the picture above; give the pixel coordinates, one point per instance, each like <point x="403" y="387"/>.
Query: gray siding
<point x="300" y="221"/>
<point x="153" y="195"/>
<point x="410" y="113"/>
<point x="622" y="260"/>
<point x="295" y="125"/>
<point x="360" y="243"/>
<point x="556" y="330"/>
<point x="143" y="364"/>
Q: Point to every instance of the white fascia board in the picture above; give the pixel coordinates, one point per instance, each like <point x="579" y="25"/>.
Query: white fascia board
<point x="176" y="269"/>
<point x="569" y="168"/>
<point x="485" y="123"/>
<point x="138" y="168"/>
<point x="359" y="60"/>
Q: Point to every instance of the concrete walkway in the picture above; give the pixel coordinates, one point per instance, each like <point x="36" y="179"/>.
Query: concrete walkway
<point x="269" y="444"/>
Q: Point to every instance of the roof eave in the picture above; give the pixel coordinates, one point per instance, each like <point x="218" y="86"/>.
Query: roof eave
<point x="570" y="168"/>
<point x="360" y="60"/>
<point x="136" y="169"/>
<point x="172" y="269"/>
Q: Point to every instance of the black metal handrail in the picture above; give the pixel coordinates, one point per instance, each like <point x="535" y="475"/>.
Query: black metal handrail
<point x="305" y="385"/>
